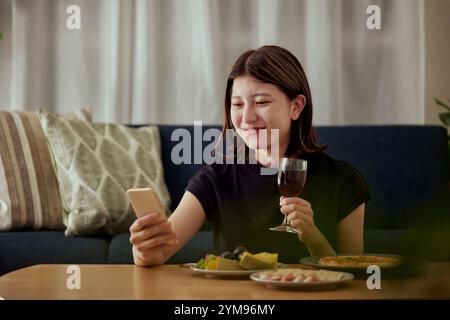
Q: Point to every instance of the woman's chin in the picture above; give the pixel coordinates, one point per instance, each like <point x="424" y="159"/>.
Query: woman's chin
<point x="254" y="143"/>
<point x="255" y="146"/>
<point x="251" y="142"/>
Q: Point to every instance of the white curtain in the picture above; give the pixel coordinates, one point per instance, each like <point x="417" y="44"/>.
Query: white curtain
<point x="166" y="61"/>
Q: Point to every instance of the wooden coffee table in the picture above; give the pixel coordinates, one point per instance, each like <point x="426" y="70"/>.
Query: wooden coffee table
<point x="172" y="282"/>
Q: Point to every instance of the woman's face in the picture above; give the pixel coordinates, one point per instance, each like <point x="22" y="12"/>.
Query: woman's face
<point x="258" y="107"/>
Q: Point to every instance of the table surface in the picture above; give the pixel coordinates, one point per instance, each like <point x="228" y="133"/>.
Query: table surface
<point x="172" y="282"/>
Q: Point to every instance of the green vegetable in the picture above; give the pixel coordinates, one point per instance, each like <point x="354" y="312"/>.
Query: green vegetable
<point x="200" y="264"/>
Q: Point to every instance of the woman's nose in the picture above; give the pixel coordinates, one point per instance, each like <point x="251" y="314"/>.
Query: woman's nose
<point x="249" y="114"/>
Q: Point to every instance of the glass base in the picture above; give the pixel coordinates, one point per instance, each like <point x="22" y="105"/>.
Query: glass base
<point x="284" y="228"/>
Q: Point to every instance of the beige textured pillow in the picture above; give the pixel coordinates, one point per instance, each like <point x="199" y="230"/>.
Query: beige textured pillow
<point x="96" y="164"/>
<point x="29" y="195"/>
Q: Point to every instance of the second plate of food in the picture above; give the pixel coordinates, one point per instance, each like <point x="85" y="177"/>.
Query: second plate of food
<point x="358" y="264"/>
<point x="299" y="279"/>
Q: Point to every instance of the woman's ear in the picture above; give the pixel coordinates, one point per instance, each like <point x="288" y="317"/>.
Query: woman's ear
<point x="297" y="106"/>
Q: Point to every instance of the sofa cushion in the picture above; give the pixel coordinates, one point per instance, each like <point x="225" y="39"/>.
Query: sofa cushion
<point x="409" y="242"/>
<point x="395" y="241"/>
<point x="21" y="249"/>
<point x="120" y="249"/>
<point x="96" y="164"/>
<point x="29" y="196"/>
<point x="200" y="245"/>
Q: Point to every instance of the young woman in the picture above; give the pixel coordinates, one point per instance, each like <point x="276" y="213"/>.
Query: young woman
<point x="267" y="89"/>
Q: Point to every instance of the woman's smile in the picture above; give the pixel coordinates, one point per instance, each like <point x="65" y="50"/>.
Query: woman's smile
<point x="253" y="131"/>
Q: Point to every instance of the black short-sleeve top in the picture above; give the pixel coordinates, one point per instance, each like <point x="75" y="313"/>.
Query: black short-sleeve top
<point x="242" y="204"/>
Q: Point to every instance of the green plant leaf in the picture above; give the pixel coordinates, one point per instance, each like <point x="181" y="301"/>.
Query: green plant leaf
<point x="442" y="104"/>
<point x="445" y="118"/>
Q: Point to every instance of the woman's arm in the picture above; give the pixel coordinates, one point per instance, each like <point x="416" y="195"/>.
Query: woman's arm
<point x="301" y="216"/>
<point x="149" y="236"/>
<point x="350" y="232"/>
<point x="186" y="220"/>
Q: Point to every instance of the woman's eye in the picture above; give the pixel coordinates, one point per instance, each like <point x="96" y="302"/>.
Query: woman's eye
<point x="261" y="103"/>
<point x="237" y="105"/>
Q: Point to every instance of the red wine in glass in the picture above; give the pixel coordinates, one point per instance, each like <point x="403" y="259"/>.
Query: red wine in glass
<point x="291" y="182"/>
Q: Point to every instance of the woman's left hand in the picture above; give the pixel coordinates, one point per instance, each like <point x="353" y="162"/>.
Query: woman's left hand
<point x="300" y="216"/>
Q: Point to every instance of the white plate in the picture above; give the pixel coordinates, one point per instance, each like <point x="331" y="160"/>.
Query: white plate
<point x="228" y="273"/>
<point x="301" y="285"/>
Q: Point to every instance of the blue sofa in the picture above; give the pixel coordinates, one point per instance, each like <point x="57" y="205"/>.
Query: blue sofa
<point x="407" y="168"/>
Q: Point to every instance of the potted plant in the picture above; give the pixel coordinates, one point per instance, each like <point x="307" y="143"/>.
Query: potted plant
<point x="445" y="118"/>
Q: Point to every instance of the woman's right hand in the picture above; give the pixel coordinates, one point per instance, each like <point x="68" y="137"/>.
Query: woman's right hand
<point x="150" y="236"/>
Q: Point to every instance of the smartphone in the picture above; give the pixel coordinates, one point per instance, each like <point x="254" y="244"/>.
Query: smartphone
<point x="144" y="201"/>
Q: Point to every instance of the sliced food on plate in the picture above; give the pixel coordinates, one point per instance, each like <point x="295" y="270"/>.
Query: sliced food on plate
<point x="240" y="259"/>
<point x="300" y="275"/>
<point x="359" y="261"/>
<point x="299" y="279"/>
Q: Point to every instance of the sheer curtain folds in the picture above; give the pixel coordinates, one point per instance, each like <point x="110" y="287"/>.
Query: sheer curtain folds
<point x="166" y="61"/>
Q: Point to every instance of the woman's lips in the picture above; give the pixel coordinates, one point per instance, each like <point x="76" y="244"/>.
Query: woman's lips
<point x="252" y="131"/>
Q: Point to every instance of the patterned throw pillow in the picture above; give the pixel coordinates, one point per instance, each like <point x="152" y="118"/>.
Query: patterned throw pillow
<point x="96" y="163"/>
<point x="29" y="195"/>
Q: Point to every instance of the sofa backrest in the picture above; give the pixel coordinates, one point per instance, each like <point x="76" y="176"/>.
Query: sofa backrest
<point x="407" y="168"/>
<point x="177" y="176"/>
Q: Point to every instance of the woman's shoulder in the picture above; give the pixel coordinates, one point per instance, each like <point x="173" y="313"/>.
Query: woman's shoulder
<point x="325" y="163"/>
<point x="319" y="160"/>
<point x="340" y="175"/>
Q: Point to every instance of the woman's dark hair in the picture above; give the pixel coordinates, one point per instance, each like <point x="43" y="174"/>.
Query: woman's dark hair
<point x="276" y="65"/>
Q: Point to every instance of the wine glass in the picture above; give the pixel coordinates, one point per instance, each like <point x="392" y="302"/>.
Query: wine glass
<point x="291" y="182"/>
